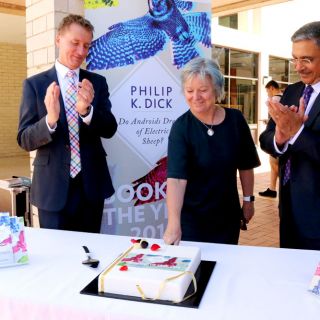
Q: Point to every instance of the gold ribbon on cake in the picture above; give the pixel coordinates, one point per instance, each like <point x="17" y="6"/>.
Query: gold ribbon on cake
<point x="114" y="263"/>
<point x="163" y="284"/>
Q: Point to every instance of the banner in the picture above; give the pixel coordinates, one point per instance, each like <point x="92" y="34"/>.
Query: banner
<point x="140" y="47"/>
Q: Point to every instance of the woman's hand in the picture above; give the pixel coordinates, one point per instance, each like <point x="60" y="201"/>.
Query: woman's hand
<point x="175" y="193"/>
<point x="172" y="235"/>
<point x="247" y="180"/>
<point x="248" y="210"/>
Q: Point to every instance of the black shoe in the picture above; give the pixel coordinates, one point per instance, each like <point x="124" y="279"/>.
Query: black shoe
<point x="268" y="193"/>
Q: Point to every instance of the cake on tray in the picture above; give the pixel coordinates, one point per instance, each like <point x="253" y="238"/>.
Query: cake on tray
<point x="156" y="272"/>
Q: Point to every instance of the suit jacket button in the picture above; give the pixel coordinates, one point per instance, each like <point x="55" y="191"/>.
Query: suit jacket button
<point x="67" y="147"/>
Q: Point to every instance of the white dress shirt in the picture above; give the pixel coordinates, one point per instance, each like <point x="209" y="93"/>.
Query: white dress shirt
<point x="63" y="83"/>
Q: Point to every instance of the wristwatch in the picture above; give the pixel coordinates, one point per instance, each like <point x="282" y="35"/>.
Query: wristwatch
<point x="248" y="198"/>
<point x="87" y="113"/>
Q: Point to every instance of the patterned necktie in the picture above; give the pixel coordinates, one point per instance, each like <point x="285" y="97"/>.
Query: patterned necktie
<point x="306" y="97"/>
<point x="73" y="125"/>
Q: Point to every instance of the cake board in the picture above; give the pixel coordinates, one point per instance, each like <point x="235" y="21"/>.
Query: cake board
<point x="202" y="276"/>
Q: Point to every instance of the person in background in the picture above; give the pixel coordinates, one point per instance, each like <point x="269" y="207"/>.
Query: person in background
<point x="208" y="144"/>
<point x="64" y="113"/>
<point x="274" y="93"/>
<point x="293" y="135"/>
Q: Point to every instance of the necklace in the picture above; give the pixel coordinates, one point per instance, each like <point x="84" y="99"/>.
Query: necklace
<point x="210" y="131"/>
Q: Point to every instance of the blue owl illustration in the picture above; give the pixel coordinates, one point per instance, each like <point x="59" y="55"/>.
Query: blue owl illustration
<point x="127" y="42"/>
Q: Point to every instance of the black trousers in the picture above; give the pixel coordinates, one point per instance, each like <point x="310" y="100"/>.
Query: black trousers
<point x="291" y="235"/>
<point x="79" y="214"/>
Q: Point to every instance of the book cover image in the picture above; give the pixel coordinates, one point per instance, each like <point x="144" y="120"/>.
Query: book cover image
<point x="6" y="256"/>
<point x="19" y="247"/>
<point x="13" y="249"/>
<point x="315" y="282"/>
<point x="153" y="261"/>
<point x="140" y="47"/>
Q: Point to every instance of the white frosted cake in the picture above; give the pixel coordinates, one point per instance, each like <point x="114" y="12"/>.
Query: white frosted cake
<point x="164" y="273"/>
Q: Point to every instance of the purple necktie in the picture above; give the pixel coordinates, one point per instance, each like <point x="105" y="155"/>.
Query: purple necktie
<point x="306" y="97"/>
<point x="73" y="125"/>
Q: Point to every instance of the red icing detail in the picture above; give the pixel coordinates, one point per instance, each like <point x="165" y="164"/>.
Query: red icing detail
<point x="134" y="241"/>
<point x="169" y="263"/>
<point x="123" y="268"/>
<point x="155" y="247"/>
<point x="138" y="258"/>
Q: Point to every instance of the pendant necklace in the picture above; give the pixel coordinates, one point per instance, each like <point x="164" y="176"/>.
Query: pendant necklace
<point x="210" y="131"/>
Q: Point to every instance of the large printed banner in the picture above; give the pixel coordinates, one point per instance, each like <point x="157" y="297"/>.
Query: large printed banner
<point x="140" y="47"/>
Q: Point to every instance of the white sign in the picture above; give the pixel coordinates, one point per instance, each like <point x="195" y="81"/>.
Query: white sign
<point x="140" y="47"/>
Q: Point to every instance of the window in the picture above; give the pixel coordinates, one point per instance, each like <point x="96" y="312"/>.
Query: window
<point x="222" y="56"/>
<point x="229" y="21"/>
<point x="240" y="69"/>
<point x="243" y="64"/>
<point x="243" y="97"/>
<point x="282" y="71"/>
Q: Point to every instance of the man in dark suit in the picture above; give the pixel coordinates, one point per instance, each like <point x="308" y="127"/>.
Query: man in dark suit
<point x="63" y="115"/>
<point x="293" y="134"/>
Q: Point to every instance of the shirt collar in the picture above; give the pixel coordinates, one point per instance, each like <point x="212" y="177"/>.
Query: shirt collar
<point x="316" y="87"/>
<point x="62" y="69"/>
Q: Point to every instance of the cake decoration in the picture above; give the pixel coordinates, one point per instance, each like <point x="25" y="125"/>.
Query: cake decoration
<point x="154" y="273"/>
<point x="155" y="247"/>
<point x="144" y="244"/>
<point x="124" y="268"/>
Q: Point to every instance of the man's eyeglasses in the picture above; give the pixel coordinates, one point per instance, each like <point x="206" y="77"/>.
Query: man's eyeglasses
<point x="302" y="61"/>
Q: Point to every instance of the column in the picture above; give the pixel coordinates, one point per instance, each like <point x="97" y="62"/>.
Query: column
<point x="42" y="20"/>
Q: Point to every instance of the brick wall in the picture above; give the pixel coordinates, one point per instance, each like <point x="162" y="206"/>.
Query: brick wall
<point x="42" y="20"/>
<point x="13" y="70"/>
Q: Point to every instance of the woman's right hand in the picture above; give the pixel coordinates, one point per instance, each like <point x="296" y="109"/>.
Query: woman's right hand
<point x="172" y="235"/>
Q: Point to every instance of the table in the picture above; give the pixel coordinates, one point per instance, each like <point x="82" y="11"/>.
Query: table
<point x="247" y="283"/>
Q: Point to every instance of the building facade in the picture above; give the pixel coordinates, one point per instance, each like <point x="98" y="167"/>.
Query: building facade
<point x="253" y="47"/>
<point x="251" y="41"/>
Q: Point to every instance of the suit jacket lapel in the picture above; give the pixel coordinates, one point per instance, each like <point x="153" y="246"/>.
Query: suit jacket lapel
<point x="314" y="111"/>
<point x="298" y="94"/>
<point x="83" y="74"/>
<point x="80" y="75"/>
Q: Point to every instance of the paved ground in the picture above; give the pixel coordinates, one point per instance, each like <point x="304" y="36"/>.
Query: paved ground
<point x="262" y="230"/>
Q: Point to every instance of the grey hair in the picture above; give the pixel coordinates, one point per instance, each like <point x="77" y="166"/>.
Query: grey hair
<point x="205" y="67"/>
<point x="310" y="31"/>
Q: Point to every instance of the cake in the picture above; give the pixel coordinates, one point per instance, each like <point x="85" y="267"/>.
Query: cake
<point x="156" y="272"/>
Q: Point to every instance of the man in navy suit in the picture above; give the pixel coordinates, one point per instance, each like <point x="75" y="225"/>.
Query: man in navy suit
<point x="65" y="201"/>
<point x="293" y="134"/>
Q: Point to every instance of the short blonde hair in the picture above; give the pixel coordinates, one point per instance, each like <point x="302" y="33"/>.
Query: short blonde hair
<point x="205" y="67"/>
<point x="67" y="21"/>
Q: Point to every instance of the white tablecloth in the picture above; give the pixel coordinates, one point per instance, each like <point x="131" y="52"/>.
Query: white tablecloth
<point x="247" y="283"/>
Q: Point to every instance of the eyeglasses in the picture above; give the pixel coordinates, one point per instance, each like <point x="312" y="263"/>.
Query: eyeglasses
<point x="302" y="61"/>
